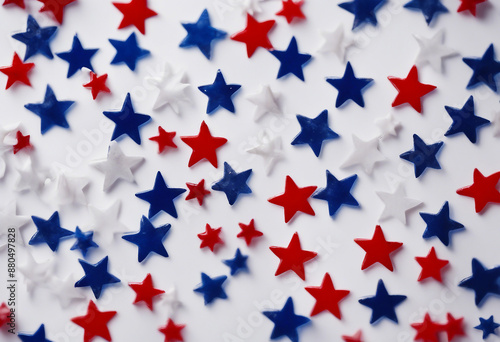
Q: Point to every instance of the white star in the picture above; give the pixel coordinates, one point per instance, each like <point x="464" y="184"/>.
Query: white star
<point x="29" y="178"/>
<point x="337" y="42"/>
<point x="9" y="219"/>
<point x="270" y="150"/>
<point x="171" y="88"/>
<point x="365" y="153"/>
<point x="171" y="301"/>
<point x="432" y="51"/>
<point x="388" y="126"/>
<point x="36" y="274"/>
<point x="496" y="124"/>
<point x="247" y="6"/>
<point x="396" y="204"/>
<point x="266" y="102"/>
<point x="65" y="291"/>
<point x="70" y="189"/>
<point x="105" y="223"/>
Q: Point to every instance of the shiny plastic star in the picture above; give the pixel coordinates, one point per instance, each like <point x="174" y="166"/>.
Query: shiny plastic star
<point x="83" y="241"/>
<point x="291" y="10"/>
<point x="423" y="155"/>
<point x="429" y="8"/>
<point x="164" y="139"/>
<point x="364" y="11"/>
<point x="487" y="326"/>
<point x="17" y="72"/>
<point x="36" y="274"/>
<point x="171" y="301"/>
<point x="233" y="184"/>
<point x="484" y="69"/>
<point x="238" y="263"/>
<point x="56" y="8"/>
<point x="128" y="51"/>
<point x="388" y="126"/>
<point x="336" y="42"/>
<point x="314" y="132"/>
<point x="294" y="199"/>
<point x="433" y="51"/>
<point x="105" y="222"/>
<point x="145" y="292"/>
<point x="378" y="250"/>
<point x="383" y="304"/>
<point x="49" y="231"/>
<point x="440" y="224"/>
<point x="365" y="154"/>
<point x="469" y="5"/>
<point x="427" y="330"/>
<point x="95" y="323"/>
<point x="10" y="219"/>
<point x="454" y="327"/>
<point x="249" y="232"/>
<point x="23" y="142"/>
<point x="96" y="276"/>
<point x="465" y="120"/>
<point x="171" y="86"/>
<point x="204" y="146"/>
<point x="97" y="84"/>
<point x="266" y="102"/>
<point x="327" y="297"/>
<point x="135" y="13"/>
<point x="484" y="282"/>
<point x="291" y="60"/>
<point x="396" y="204"/>
<point x="197" y="191"/>
<point x="210" y="237"/>
<point x="211" y="288"/>
<point x="18" y="3"/>
<point x="357" y="337"/>
<point x="431" y="266"/>
<point x="149" y="239"/>
<point x="38" y="336"/>
<point x="202" y="35"/>
<point x="255" y="35"/>
<point x="219" y="94"/>
<point x="36" y="39"/>
<point x="349" y="87"/>
<point x="172" y="331"/>
<point x="286" y="322"/>
<point x="77" y="57"/>
<point x="483" y="190"/>
<point x="65" y="292"/>
<point x="337" y="193"/>
<point x="292" y="257"/>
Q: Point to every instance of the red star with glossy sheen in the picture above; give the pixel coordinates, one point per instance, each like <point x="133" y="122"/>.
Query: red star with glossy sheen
<point x="56" y="7"/>
<point x="483" y="190"/>
<point x="293" y="257"/>
<point x="17" y="72"/>
<point x="469" y="5"/>
<point x="23" y="141"/>
<point x="210" y="237"/>
<point x="454" y="327"/>
<point x="327" y="297"/>
<point x="4" y="314"/>
<point x="410" y="90"/>
<point x="294" y="199"/>
<point x="145" y="292"/>
<point x="172" y="331"/>
<point x="255" y="35"/>
<point x="427" y="331"/>
<point x="291" y="9"/>
<point x="95" y="323"/>
<point x="97" y="84"/>
<point x="204" y="146"/>
<point x="135" y="13"/>
<point x="378" y="249"/>
<point x="164" y="139"/>
<point x="197" y="191"/>
<point x="19" y="3"/>
<point x="357" y="337"/>
<point x="431" y="266"/>
<point x="248" y="232"/>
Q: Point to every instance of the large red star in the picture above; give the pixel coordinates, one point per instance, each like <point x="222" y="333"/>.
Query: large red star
<point x="204" y="146"/>
<point x="197" y="191"/>
<point x="135" y="13"/>
<point x="97" y="84"/>
<point x="357" y="337"/>
<point x="210" y="237"/>
<point x="469" y="5"/>
<point x="427" y="331"/>
<point x="4" y="314"/>
<point x="410" y="90"/>
<point x="291" y="10"/>
<point x="56" y="7"/>
<point x="248" y="232"/>
<point x="483" y="190"/>
<point x="95" y="323"/>
<point x="293" y="257"/>
<point x="145" y="292"/>
<point x="19" y="3"/>
<point x="431" y="266"/>
<point x="23" y="141"/>
<point x="255" y="35"/>
<point x="327" y="297"/>
<point x="17" y="72"/>
<point x="454" y="327"/>
<point x="378" y="249"/>
<point x="164" y="139"/>
<point x="172" y="331"/>
<point x="294" y="199"/>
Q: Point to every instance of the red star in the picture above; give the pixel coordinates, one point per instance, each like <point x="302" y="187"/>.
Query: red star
<point x="204" y="146"/>
<point x="294" y="199"/>
<point x="197" y="191"/>
<point x="145" y="292"/>
<point x="17" y="72"/>
<point x="97" y="84"/>
<point x="454" y="327"/>
<point x="469" y="5"/>
<point x="23" y="141"/>
<point x="56" y="7"/>
<point x="172" y="331"/>
<point x="255" y="35"/>
<point x="248" y="232"/>
<point x="4" y="314"/>
<point x="292" y="10"/>
<point x="357" y="337"/>
<point x="378" y="249"/>
<point x="410" y="90"/>
<point x="19" y="3"/>
<point x="431" y="266"/>
<point x="428" y="330"/>
<point x="164" y="139"/>
<point x="293" y="257"/>
<point x="95" y="323"/>
<point x="327" y="297"/>
<point x="135" y="13"/>
<point x="483" y="190"/>
<point x="210" y="237"/>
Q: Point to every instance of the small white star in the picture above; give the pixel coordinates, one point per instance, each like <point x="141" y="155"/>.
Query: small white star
<point x="105" y="222"/>
<point x="432" y="51"/>
<point x="337" y="42"/>
<point x="396" y="204"/>
<point x="266" y="101"/>
<point x="10" y="219"/>
<point x="171" y="88"/>
<point x="36" y="274"/>
<point x="29" y="178"/>
<point x="171" y="301"/>
<point x="70" y="189"/>
<point x="365" y="153"/>
<point x="270" y="150"/>
<point x="388" y="126"/>
<point x="65" y="291"/>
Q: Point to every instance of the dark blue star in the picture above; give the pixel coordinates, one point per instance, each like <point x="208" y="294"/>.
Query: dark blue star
<point x="36" y="38"/>
<point x="286" y="322"/>
<point x="149" y="239"/>
<point x="382" y="304"/>
<point x="238" y="263"/>
<point x="349" y="87"/>
<point x="38" y="336"/>
<point x="161" y="197"/>
<point x="83" y="241"/>
<point x="201" y="34"/>
<point x="440" y="224"/>
<point x="429" y="8"/>
<point x="211" y="288"/>
<point x="363" y="10"/>
<point x="487" y="326"/>
<point x="465" y="120"/>
<point x="77" y="57"/>
<point x="291" y="60"/>
<point x="233" y="184"/>
<point x="422" y="155"/>
<point x="482" y="281"/>
<point x="337" y="193"/>
<point x="128" y="51"/>
<point x="219" y="93"/>
<point x="127" y="121"/>
<point x="51" y="111"/>
<point x="96" y="276"/>
<point x="314" y="131"/>
<point x="49" y="231"/>
<point x="484" y="69"/>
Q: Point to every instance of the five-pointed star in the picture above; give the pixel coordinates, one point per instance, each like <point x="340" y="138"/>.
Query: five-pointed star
<point x="336" y="42"/>
<point x="145" y="291"/>
<point x="197" y="191"/>
<point x="65" y="292"/>
<point x="172" y="331"/>
<point x="30" y="178"/>
<point x="249" y="232"/>
<point x="164" y="139"/>
<point x="94" y="323"/>
<point x="365" y="153"/>
<point x="429" y="8"/>
<point x="427" y="330"/>
<point x="484" y="69"/>
<point x="219" y="94"/>
<point x="396" y="204"/>
<point x="383" y="304"/>
<point x="469" y="5"/>
<point x="237" y="263"/>
<point x="10" y="219"/>
<point x="171" y="301"/>
<point x="286" y="322"/>
<point x="327" y="297"/>
<point x="388" y="126"/>
<point x="433" y="51"/>
<point x="97" y="84"/>
<point x="135" y="13"/>
<point x="291" y="60"/>
<point x="314" y="132"/>
<point x="337" y="193"/>
<point x="149" y="239"/>
<point x="36" y="274"/>
<point x="96" y="276"/>
<point x="37" y="336"/>
<point x="204" y="146"/>
<point x="37" y="39"/>
<point x="465" y="120"/>
<point x="487" y="326"/>
<point x="105" y="222"/>
<point x="292" y="257"/>
<point x="422" y="155"/>
<point x="255" y="35"/>
<point x="77" y="57"/>
<point x="292" y="9"/>
<point x="233" y="183"/>
<point x="431" y="266"/>
<point x="171" y="88"/>
<point x="57" y="8"/>
<point x="211" y="288"/>
<point x="483" y="190"/>
<point x="378" y="249"/>
<point x="70" y="189"/>
<point x="49" y="231"/>
<point x="270" y="150"/>
<point x="483" y="281"/>
<point x="128" y="51"/>
<point x="454" y="327"/>
<point x="23" y="141"/>
<point x="266" y="102"/>
<point x="349" y="87"/>
<point x="364" y="11"/>
<point x="440" y="224"/>
<point x="17" y="72"/>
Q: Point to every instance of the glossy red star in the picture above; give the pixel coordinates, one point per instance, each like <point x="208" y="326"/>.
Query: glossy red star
<point x="357" y="337"/>
<point x="431" y="266"/>
<point x="19" y="3"/>
<point x="410" y="90"/>
<point x="97" y="84"/>
<point x="327" y="297"/>
<point x="454" y="327"/>
<point x="249" y="232"/>
<point x="95" y="323"/>
<point x="469" y="5"/>
<point x="378" y="249"/>
<point x="293" y="257"/>
<point x="23" y="141"/>
<point x="204" y="146"/>
<point x="135" y="13"/>
<point x="483" y="190"/>
<point x="197" y="191"/>
<point x="145" y="292"/>
<point x="291" y="10"/>
<point x="4" y="314"/>
<point x="294" y="199"/>
<point x="427" y="331"/>
<point x="210" y="237"/>
<point x="17" y="72"/>
<point x="172" y="331"/>
<point x="56" y="7"/>
<point x="164" y="139"/>
<point x="255" y="35"/>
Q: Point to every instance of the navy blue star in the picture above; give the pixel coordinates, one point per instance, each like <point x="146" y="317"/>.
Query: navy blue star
<point x="337" y="193"/>
<point x="487" y="326"/>
<point x="49" y="231"/>
<point x="149" y="239"/>
<point x="484" y="69"/>
<point x="422" y="155"/>
<point x="96" y="276"/>
<point x="286" y="322"/>
<point x="465" y="120"/>
<point x="482" y="281"/>
<point x="211" y="288"/>
<point x="349" y="87"/>
<point x="314" y="131"/>
<point x="429" y="8"/>
<point x="83" y="241"/>
<point x="77" y="57"/>
<point x="36" y="38"/>
<point x="440" y="224"/>
<point x="161" y="197"/>
<point x="201" y="34"/>
<point x="238" y="263"/>
<point x="128" y="51"/>
<point x="382" y="304"/>
<point x="127" y="121"/>
<point x="219" y="94"/>
<point x="291" y="60"/>
<point x="51" y="111"/>
<point x="233" y="184"/>
<point x="38" y="336"/>
<point x="363" y="10"/>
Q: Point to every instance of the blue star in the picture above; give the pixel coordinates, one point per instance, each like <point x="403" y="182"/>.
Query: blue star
<point x="49" y="231"/>
<point x="363" y="10"/>
<point x="465" y="120"/>
<point x="482" y="281"/>
<point x="161" y="197"/>
<point x="422" y="155"/>
<point x="349" y="87"/>
<point x="96" y="276"/>
<point x="38" y="336"/>
<point x="219" y="94"/>
<point x="337" y="193"/>
<point x="233" y="184"/>
<point x="51" y="111"/>
<point x="128" y="51"/>
<point x="440" y="224"/>
<point x="127" y="121"/>
<point x="149" y="239"/>
<point x="238" y="263"/>
<point x="429" y="8"/>
<point x="382" y="304"/>
<point x="36" y="38"/>
<point x="487" y="326"/>
<point x="286" y="322"/>
<point x="291" y="60"/>
<point x="77" y="57"/>
<point x="314" y="131"/>
<point x="211" y="288"/>
<point x="201" y="34"/>
<point x="83" y="241"/>
<point x="484" y="69"/>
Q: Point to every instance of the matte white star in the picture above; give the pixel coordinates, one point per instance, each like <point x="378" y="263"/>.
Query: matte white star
<point x="171" y="301"/>
<point x="36" y="274"/>
<point x="396" y="204"/>
<point x="105" y="223"/>
<point x="266" y="102"/>
<point x="432" y="51"/>
<point x="337" y="42"/>
<point x="388" y="126"/>
<point x="70" y="189"/>
<point x="270" y="150"/>
<point x="365" y="153"/>
<point x="10" y="219"/>
<point x="171" y="88"/>
<point x="65" y="291"/>
<point x="29" y="179"/>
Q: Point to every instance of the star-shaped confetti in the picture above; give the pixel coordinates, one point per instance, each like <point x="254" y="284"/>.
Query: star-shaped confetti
<point x="255" y="35"/>
<point x="171" y="301"/>
<point x="266" y="102"/>
<point x="271" y="150"/>
<point x="349" y="87"/>
<point x="431" y="266"/>
<point x="454" y="327"/>
<point x="469" y="5"/>
<point x="210" y="237"/>
<point x="423" y="156"/>
<point x="429" y="8"/>
<point x="149" y="239"/>
<point x="36" y="274"/>
<point x="172" y="331"/>
<point x="202" y="35"/>
<point x="365" y="154"/>
<point x="427" y="330"/>
<point x="238" y="263"/>
<point x="440" y="225"/>
<point x="336" y="42"/>
<point x="36" y="39"/>
<point x="483" y="190"/>
<point x="49" y="231"/>
<point x="337" y="193"/>
<point x="388" y="126"/>
<point x="128" y="51"/>
<point x="197" y="191"/>
<point x="105" y="222"/>
<point x="291" y="60"/>
<point x="56" y="8"/>
<point x="433" y="51"/>
<point x="294" y="199"/>
<point x="484" y="69"/>
<point x="95" y="323"/>
<point x="135" y="13"/>
<point x="233" y="184"/>
<point x="383" y="304"/>
<point x="378" y="250"/>
<point x="77" y="57"/>
<point x="292" y="257"/>
<point x="364" y="11"/>
<point x="96" y="276"/>
<point x="145" y="291"/>
<point x="172" y="88"/>
<point x="487" y="326"/>
<point x="211" y="288"/>
<point x="484" y="282"/>
<point x="314" y="132"/>
<point x="83" y="241"/>
<point x="97" y="84"/>
<point x="327" y="297"/>
<point x="164" y="139"/>
<point x="465" y="120"/>
<point x="23" y="142"/>
<point x="70" y="189"/>
<point x="37" y="336"/>
<point x="291" y="9"/>
<point x="249" y="232"/>
<point x="219" y="94"/>
<point x="286" y="322"/>
<point x="17" y="72"/>
<point x="204" y="146"/>
<point x="396" y="204"/>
